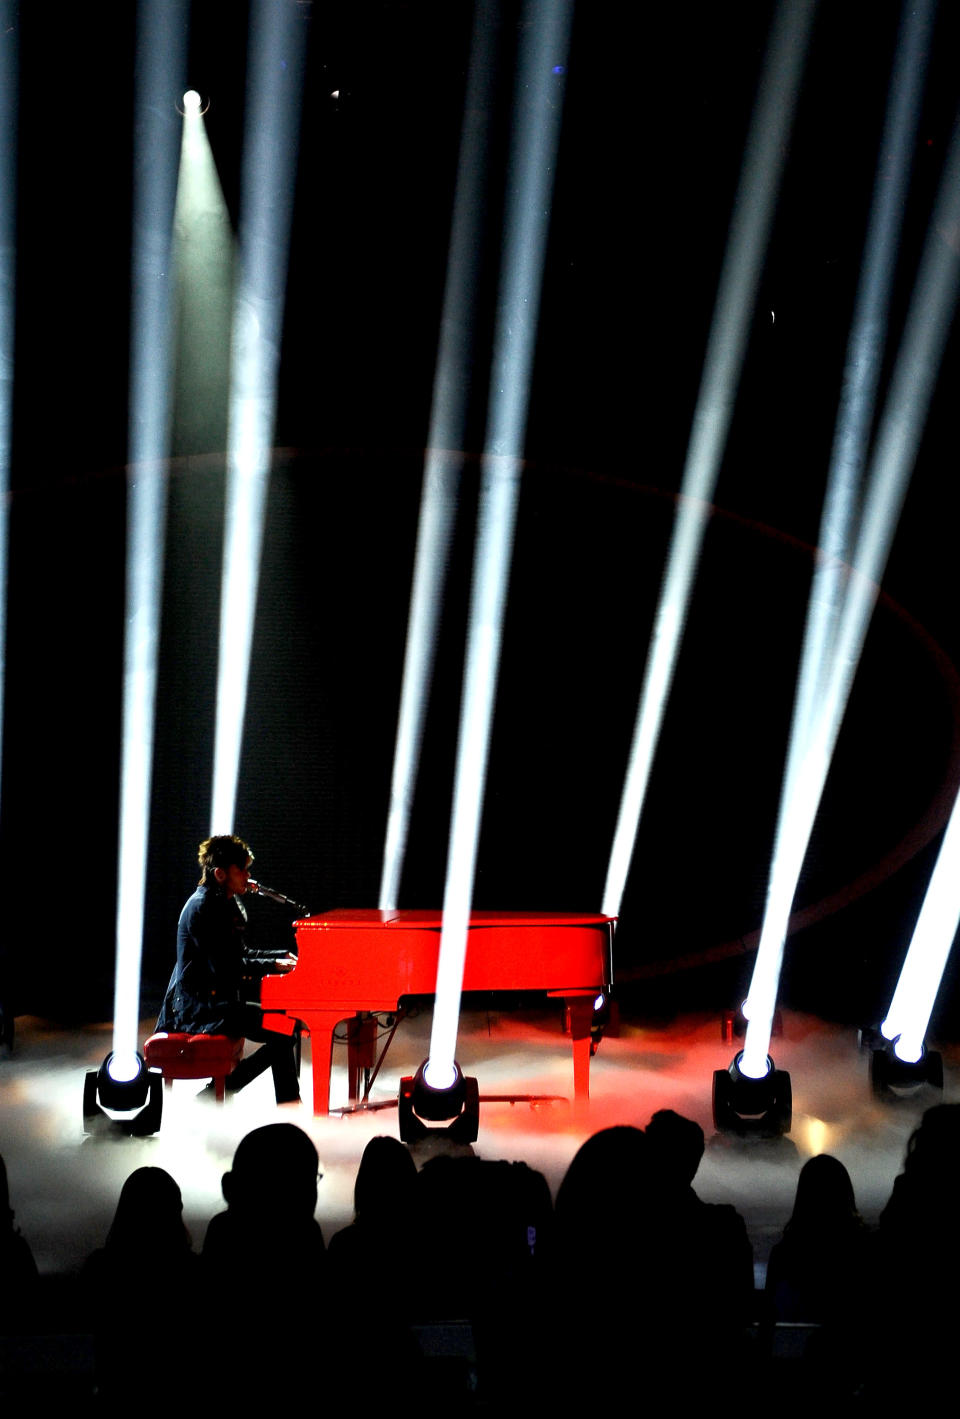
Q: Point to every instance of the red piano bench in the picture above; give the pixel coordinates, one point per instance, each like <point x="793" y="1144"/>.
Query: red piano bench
<point x="183" y="1056"/>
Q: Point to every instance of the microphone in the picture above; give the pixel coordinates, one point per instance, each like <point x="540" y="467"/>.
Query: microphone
<point x="274" y="896"/>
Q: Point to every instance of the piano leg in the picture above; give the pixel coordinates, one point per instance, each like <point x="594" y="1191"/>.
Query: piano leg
<point x="579" y="1020"/>
<point x="321" y="1024"/>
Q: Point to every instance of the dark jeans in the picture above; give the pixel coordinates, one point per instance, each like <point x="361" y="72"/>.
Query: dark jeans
<point x="279" y="1053"/>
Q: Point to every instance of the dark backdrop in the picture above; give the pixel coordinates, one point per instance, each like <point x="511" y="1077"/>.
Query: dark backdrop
<point x="657" y="109"/>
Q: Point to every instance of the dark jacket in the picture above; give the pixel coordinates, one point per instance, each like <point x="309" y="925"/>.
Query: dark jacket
<point x="205" y="994"/>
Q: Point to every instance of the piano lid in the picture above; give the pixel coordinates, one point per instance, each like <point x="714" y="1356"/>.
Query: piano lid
<point x="359" y="918"/>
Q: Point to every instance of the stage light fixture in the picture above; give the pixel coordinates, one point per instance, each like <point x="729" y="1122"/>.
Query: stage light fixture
<point x="752" y="1107"/>
<point x="895" y="1074"/>
<point x="456" y="1103"/>
<point x="123" y="1094"/>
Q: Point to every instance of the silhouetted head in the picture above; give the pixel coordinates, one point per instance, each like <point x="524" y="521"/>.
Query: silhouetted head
<point x="149" y="1215"/>
<point x="934" y="1148"/>
<point x="677" y="1144"/>
<point x="386" y="1180"/>
<point x="274" y="1174"/>
<point x="825" y="1195"/>
<point x="608" y="1175"/>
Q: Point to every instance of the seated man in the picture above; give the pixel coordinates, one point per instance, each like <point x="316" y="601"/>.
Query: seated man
<point x="205" y="995"/>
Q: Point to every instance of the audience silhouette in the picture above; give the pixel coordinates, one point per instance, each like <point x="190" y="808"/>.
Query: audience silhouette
<point x="708" y="1240"/>
<point x="923" y="1205"/>
<point x="133" y="1287"/>
<point x="918" y="1255"/>
<point x="363" y="1254"/>
<point x="609" y="1295"/>
<point x="631" y="1286"/>
<point x="607" y="1184"/>
<point x="18" y="1270"/>
<point x="818" y="1268"/>
<point x="482" y="1240"/>
<point x="267" y="1242"/>
<point x="818" y="1274"/>
<point x="384" y="1197"/>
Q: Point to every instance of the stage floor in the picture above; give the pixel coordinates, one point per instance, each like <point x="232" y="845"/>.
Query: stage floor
<point x="64" y="1186"/>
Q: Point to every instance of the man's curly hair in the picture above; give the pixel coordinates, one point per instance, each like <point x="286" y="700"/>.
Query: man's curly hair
<point x="223" y="851"/>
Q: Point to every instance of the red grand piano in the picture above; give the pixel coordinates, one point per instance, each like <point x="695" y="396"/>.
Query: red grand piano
<point x="352" y="961"/>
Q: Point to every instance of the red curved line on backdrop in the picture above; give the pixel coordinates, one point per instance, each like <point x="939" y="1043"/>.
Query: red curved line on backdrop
<point x="917" y="837"/>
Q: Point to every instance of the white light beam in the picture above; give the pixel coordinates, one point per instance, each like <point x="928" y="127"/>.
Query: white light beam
<point x="810" y="745"/>
<point x="864" y="357"/>
<point x="926" y="959"/>
<point x="277" y="46"/>
<point x="441" y="475"/>
<point x="161" y="59"/>
<point x="895" y="449"/>
<point x="733" y="312"/>
<point x="9" y="94"/>
<point x="545" y="38"/>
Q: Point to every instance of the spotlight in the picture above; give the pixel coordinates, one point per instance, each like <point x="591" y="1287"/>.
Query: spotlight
<point x="193" y="105"/>
<point x="893" y="1077"/>
<point x="125" y="1093"/>
<point x="457" y="1101"/>
<point x="761" y="1107"/>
